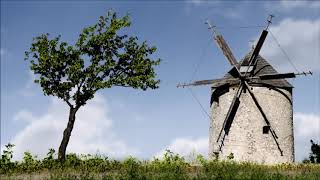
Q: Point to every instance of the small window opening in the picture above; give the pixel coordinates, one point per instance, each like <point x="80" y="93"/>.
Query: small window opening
<point x="244" y="69"/>
<point x="266" y="129"/>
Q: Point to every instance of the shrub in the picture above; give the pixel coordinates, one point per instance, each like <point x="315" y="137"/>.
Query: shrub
<point x="171" y="166"/>
<point x="7" y="154"/>
<point x="6" y="165"/>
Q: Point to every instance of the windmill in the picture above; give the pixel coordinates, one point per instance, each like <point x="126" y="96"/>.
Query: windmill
<point x="251" y="108"/>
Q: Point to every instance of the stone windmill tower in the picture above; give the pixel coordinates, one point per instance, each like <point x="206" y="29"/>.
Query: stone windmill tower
<point x="251" y="109"/>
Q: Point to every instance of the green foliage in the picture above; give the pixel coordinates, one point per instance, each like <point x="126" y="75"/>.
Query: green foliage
<point x="72" y="160"/>
<point x="7" y="154"/>
<point x="5" y="162"/>
<point x="171" y="166"/>
<point x="49" y="162"/>
<point x="314" y="156"/>
<point x="29" y="163"/>
<point x="28" y="158"/>
<point x="50" y="154"/>
<point x="230" y="156"/>
<point x="101" y="58"/>
<point x="130" y="167"/>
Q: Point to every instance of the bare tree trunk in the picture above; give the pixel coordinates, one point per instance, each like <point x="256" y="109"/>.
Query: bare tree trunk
<point x="67" y="134"/>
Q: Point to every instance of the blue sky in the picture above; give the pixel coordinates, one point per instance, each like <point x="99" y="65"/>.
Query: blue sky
<point x="123" y="121"/>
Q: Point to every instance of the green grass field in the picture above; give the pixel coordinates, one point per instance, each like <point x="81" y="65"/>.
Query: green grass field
<point x="171" y="166"/>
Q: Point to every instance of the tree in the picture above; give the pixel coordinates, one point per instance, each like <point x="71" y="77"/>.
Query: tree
<point x="101" y="58"/>
<point x="314" y="156"/>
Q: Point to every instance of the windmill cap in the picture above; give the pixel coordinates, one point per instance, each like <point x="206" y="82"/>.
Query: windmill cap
<point x="262" y="67"/>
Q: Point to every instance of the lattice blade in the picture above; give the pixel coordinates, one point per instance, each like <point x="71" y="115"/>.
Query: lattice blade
<point x="226" y="51"/>
<point x="199" y="83"/>
<point x="277" y="76"/>
<point x="231" y="112"/>
<point x="256" y="51"/>
<point x="222" y="44"/>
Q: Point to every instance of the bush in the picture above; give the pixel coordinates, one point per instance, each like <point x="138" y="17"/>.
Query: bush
<point x="5" y="162"/>
<point x="314" y="156"/>
<point x="171" y="166"/>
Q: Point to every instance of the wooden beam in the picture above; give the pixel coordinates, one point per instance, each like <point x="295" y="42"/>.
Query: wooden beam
<point x="226" y="50"/>
<point x="277" y="76"/>
<point x="215" y="82"/>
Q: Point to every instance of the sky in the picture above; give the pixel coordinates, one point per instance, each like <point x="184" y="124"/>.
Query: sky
<point x="120" y="122"/>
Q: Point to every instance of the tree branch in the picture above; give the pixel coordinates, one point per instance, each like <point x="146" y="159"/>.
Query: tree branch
<point x="78" y="90"/>
<point x="70" y="105"/>
<point x="121" y="85"/>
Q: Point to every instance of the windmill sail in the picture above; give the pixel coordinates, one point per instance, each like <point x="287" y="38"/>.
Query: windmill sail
<point x="209" y="82"/>
<point x="199" y="83"/>
<point x="222" y="44"/>
<point x="277" y="76"/>
<point x="256" y="51"/>
<point x="231" y="112"/>
<point x="226" y="50"/>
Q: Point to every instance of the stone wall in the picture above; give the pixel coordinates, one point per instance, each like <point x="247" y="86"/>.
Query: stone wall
<point x="246" y="139"/>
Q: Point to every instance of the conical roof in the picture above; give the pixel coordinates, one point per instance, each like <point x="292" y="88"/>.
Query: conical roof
<point x="262" y="67"/>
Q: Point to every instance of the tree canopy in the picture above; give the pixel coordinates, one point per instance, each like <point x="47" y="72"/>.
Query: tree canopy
<point x="101" y="58"/>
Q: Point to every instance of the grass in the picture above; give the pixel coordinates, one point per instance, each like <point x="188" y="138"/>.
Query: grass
<point x="172" y="166"/>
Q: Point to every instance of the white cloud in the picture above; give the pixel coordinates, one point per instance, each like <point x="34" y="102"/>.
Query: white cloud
<point x="191" y="4"/>
<point x="216" y="8"/>
<point x="285" y="6"/>
<point x="290" y="5"/>
<point x="196" y="2"/>
<point x="187" y="146"/>
<point x="301" y="41"/>
<point x="201" y="2"/>
<point x="233" y="13"/>
<point x="29" y="88"/>
<point x="24" y="115"/>
<point x="92" y="131"/>
<point x="306" y="127"/>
